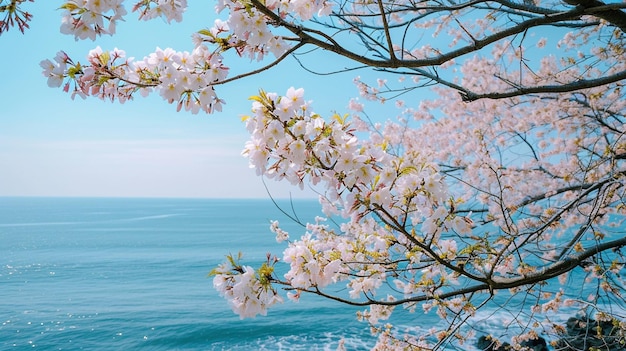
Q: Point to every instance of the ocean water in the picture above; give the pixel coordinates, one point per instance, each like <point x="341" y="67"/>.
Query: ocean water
<point x="131" y="274"/>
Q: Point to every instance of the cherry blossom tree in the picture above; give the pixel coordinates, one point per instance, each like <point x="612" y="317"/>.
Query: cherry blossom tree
<point x="498" y="174"/>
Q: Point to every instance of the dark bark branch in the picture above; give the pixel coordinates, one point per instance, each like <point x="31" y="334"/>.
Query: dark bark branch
<point x="548" y="89"/>
<point x="306" y="38"/>
<point x="599" y="9"/>
<point x="383" y="15"/>
<point x="559" y="267"/>
<point x="262" y="69"/>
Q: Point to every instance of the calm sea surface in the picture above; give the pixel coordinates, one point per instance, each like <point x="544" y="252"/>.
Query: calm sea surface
<point x="131" y="274"/>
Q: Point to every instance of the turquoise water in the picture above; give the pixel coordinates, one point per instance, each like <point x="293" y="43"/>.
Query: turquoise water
<point x="131" y="274"/>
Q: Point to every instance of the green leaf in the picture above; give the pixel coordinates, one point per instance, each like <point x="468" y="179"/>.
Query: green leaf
<point x="205" y="32"/>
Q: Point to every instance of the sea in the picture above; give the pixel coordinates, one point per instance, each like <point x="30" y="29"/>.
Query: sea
<point x="132" y="274"/>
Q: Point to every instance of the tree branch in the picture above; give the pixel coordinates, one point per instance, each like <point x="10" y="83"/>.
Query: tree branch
<point x="495" y="283"/>
<point x="302" y="32"/>
<point x="600" y="9"/>
<point x="262" y="69"/>
<point x="550" y="89"/>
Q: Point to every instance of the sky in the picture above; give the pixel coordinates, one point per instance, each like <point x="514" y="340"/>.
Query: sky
<point x="51" y="145"/>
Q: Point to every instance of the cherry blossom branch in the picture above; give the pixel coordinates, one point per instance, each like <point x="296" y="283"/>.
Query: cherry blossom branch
<point x="435" y="61"/>
<point x="490" y="284"/>
<point x="261" y="69"/>
<point x="393" y="222"/>
<point x="394" y="63"/>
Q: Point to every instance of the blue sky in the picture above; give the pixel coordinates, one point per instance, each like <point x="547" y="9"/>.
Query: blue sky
<point x="53" y="146"/>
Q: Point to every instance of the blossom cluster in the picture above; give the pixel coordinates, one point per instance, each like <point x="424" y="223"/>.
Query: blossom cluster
<point x="14" y="15"/>
<point x="88" y="19"/>
<point x="249" y="293"/>
<point x="183" y="78"/>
